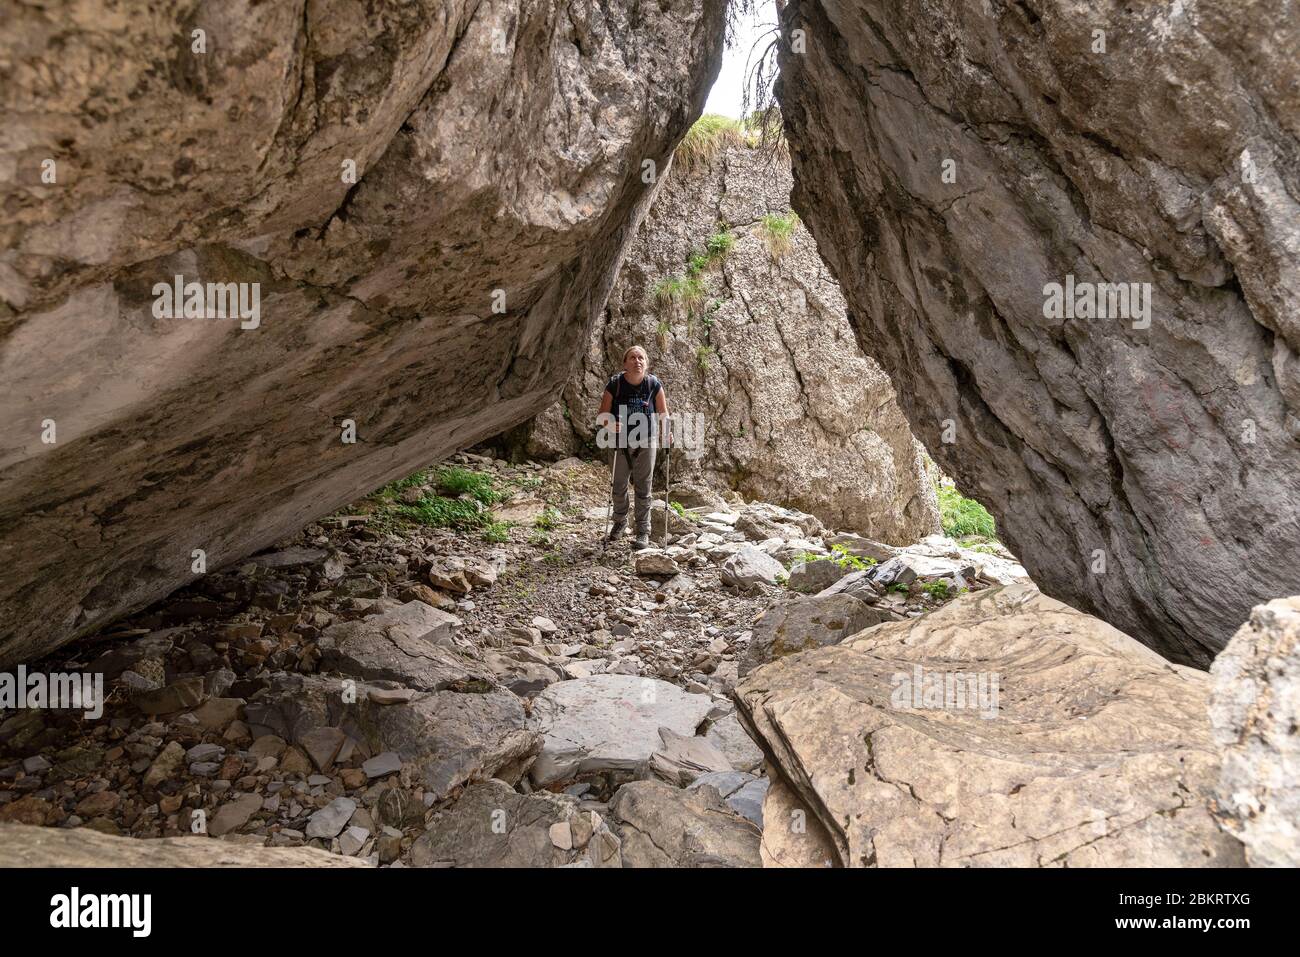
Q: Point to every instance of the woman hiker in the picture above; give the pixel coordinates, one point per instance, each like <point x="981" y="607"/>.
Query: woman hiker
<point x="641" y="406"/>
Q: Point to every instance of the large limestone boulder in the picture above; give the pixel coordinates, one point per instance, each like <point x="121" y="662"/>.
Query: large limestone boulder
<point x="1070" y="744"/>
<point x="1255" y="710"/>
<point x="433" y="198"/>
<point x="955" y="159"/>
<point x="793" y="411"/>
<point x="23" y="845"/>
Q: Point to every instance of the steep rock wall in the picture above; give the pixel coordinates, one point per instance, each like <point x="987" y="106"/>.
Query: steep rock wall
<point x="1164" y="154"/>
<point x="497" y="145"/>
<point x="793" y="412"/>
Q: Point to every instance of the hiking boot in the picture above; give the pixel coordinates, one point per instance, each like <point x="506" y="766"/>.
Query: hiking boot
<point x="642" y="540"/>
<point x="616" y="532"/>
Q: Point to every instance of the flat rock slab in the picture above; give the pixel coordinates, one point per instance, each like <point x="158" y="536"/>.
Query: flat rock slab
<point x="608" y="723"/>
<point x="25" y="846"/>
<point x="663" y="826"/>
<point x="1095" y="751"/>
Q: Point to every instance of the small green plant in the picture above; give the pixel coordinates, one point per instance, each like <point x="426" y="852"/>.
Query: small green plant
<point x="662" y="331"/>
<point x="937" y="589"/>
<point x="549" y="519"/>
<point x="720" y="243"/>
<point x="778" y="232"/>
<point x="961" y="516"/>
<point x="696" y="265"/>
<point x="497" y="532"/>
<point x="702" y="356"/>
<point x="438" y="512"/>
<point x="540" y="538"/>
<point x="455" y="480"/>
<point x="782" y="579"/>
<point x="899" y="588"/>
<point x="686" y="292"/>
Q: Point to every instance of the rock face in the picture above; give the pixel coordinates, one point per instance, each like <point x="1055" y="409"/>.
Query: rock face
<point x="1070" y="744"/>
<point x="1255" y="710"/>
<point x="388" y="178"/>
<point x="954" y="159"/>
<point x="795" y="413"/>
<point x="25" y="846"/>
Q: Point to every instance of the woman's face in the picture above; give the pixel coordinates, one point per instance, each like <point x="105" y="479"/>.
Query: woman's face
<point x="635" y="366"/>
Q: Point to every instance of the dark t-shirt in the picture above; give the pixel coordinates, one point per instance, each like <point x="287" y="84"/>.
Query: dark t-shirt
<point x="635" y="398"/>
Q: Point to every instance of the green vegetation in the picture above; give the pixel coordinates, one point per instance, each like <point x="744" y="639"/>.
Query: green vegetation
<point x="702" y="356"/>
<point x="548" y="520"/>
<point x="720" y="244"/>
<point x="686" y="292"/>
<point x="899" y="588"/>
<point x="963" y="516"/>
<point x="707" y="137"/>
<point x="474" y="493"/>
<point x="778" y="232"/>
<point x="840" y="555"/>
<point x="497" y="532"/>
<point x="937" y="589"/>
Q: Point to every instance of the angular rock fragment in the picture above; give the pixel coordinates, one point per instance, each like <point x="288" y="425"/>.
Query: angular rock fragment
<point x="663" y="826"/>
<point x="608" y="722"/>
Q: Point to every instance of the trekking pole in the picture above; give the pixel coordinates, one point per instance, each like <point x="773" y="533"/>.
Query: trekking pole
<point x="609" y="506"/>
<point x="668" y="487"/>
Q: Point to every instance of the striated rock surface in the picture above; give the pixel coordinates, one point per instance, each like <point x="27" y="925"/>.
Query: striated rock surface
<point x="1255" y="711"/>
<point x="1165" y="154"/>
<point x="498" y="151"/>
<point x="794" y="412"/>
<point x="1080" y="747"/>
<point x="22" y="845"/>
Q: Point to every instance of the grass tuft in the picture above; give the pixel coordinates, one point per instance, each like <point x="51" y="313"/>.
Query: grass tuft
<point x="961" y="516"/>
<point x="778" y="232"/>
<point x="707" y="137"/>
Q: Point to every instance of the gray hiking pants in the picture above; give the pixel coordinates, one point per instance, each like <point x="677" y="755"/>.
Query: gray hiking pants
<point x="643" y="466"/>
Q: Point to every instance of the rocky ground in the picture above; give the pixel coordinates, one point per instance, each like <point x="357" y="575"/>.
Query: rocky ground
<point x="505" y="692"/>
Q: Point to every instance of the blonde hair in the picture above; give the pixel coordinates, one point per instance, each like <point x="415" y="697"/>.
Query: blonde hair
<point x="633" y="349"/>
